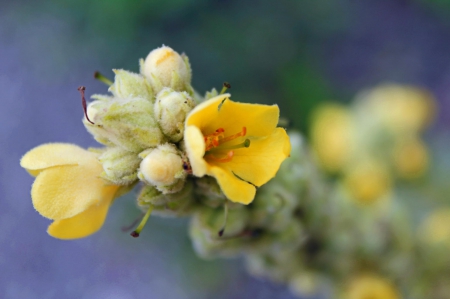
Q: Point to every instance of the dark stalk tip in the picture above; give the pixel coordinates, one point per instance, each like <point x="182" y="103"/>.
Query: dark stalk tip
<point x="221" y="232"/>
<point x="81" y="89"/>
<point x="227" y="85"/>
<point x="134" y="234"/>
<point x="97" y="74"/>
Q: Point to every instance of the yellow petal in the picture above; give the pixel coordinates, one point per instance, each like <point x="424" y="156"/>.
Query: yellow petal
<point x="64" y="191"/>
<point x="234" y="189"/>
<point x="195" y="148"/>
<point x="53" y="154"/>
<point x="260" y="162"/>
<point x="260" y="120"/>
<point x="85" y="223"/>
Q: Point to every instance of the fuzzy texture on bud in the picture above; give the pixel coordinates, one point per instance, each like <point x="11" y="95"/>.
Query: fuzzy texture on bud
<point x="162" y="167"/>
<point x="171" y="108"/>
<point x="167" y="205"/>
<point x="131" y="85"/>
<point x="164" y="67"/>
<point x="128" y="123"/>
<point x="119" y="166"/>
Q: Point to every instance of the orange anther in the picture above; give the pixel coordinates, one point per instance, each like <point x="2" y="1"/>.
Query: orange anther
<point x="228" y="158"/>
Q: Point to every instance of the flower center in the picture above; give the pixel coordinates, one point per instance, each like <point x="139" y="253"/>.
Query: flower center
<point x="214" y="143"/>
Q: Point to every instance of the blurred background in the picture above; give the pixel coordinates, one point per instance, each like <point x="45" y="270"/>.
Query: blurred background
<point x="297" y="54"/>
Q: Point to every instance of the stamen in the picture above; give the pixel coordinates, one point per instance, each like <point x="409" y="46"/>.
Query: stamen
<point x="100" y="77"/>
<point x="213" y="140"/>
<point x="226" y="86"/>
<point x="133" y="224"/>
<point x="81" y="89"/>
<point x="229" y="157"/>
<point x="229" y="138"/>
<point x="225" y="218"/>
<point x="246" y="143"/>
<point x="138" y="230"/>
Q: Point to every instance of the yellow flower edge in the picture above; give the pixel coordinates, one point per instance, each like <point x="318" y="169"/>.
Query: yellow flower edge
<point x="68" y="189"/>
<point x="250" y="167"/>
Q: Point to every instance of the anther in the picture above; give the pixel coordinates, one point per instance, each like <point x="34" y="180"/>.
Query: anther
<point x="138" y="230"/>
<point x="133" y="224"/>
<point x="232" y="137"/>
<point x="229" y="157"/>
<point x="226" y="86"/>
<point x="81" y="89"/>
<point x="100" y="77"/>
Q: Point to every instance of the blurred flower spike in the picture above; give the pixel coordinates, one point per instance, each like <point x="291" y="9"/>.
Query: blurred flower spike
<point x="238" y="144"/>
<point x="68" y="189"/>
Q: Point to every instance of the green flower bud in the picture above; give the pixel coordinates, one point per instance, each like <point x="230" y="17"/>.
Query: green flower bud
<point x="162" y="167"/>
<point x="279" y="267"/>
<point x="128" y="123"/>
<point x="206" y="225"/>
<point x="212" y="221"/>
<point x="211" y="94"/>
<point x="172" y="205"/>
<point x="120" y="166"/>
<point x="131" y="85"/>
<point x="209" y="193"/>
<point x="164" y="67"/>
<point x="171" y="108"/>
<point x="274" y="207"/>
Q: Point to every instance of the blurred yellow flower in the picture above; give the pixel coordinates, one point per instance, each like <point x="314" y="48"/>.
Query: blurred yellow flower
<point x="238" y="144"/>
<point x="367" y="181"/>
<point x="68" y="189"/>
<point x="410" y="157"/>
<point x="370" y="286"/>
<point x="436" y="228"/>
<point x="401" y="108"/>
<point x="331" y="136"/>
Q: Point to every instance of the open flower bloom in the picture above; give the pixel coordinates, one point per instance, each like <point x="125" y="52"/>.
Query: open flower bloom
<point x="68" y="189"/>
<point x="238" y="144"/>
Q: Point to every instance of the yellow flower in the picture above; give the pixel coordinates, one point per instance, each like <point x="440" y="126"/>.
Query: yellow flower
<point x="410" y="157"/>
<point x="436" y="228"/>
<point x="68" y="189"/>
<point x="370" y="286"/>
<point x="238" y="144"/>
<point x="331" y="136"/>
<point x="367" y="181"/>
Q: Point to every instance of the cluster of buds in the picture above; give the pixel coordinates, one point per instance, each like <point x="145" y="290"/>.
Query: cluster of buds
<point x="142" y="126"/>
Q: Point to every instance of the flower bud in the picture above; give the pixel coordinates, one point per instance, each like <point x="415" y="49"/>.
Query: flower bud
<point x="205" y="226"/>
<point x="171" y="108"/>
<point x="162" y="167"/>
<point x="164" y="67"/>
<point x="128" y="123"/>
<point x="120" y="166"/>
<point x="131" y="85"/>
<point x="174" y="204"/>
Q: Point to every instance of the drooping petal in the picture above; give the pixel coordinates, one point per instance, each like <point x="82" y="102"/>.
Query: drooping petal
<point x="260" y="162"/>
<point x="235" y="189"/>
<point x="85" y="223"/>
<point x="195" y="147"/>
<point x="53" y="154"/>
<point x="260" y="120"/>
<point x="63" y="191"/>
